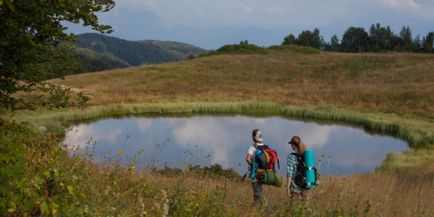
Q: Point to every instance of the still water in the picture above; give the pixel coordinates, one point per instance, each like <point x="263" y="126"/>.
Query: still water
<point x="206" y="140"/>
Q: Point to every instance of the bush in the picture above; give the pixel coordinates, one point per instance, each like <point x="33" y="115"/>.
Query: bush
<point x="243" y="48"/>
<point x="11" y="164"/>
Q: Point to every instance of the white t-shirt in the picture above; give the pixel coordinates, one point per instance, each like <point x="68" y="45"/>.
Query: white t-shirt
<point x="252" y="148"/>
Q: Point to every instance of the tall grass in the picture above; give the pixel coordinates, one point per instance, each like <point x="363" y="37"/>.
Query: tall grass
<point x="54" y="183"/>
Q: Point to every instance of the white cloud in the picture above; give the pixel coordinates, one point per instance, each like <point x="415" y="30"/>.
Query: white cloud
<point x="401" y="4"/>
<point x="82" y="136"/>
<point x="317" y="136"/>
<point x="248" y="9"/>
<point x="219" y="139"/>
<point x="144" y="124"/>
<point x="209" y="135"/>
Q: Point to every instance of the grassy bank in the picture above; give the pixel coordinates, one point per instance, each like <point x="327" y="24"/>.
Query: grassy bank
<point x="416" y="130"/>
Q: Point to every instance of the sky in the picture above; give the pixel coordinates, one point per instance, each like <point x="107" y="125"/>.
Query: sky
<point x="213" y="23"/>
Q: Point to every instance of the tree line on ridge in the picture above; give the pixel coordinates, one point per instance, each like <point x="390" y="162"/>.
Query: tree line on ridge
<point x="356" y="39"/>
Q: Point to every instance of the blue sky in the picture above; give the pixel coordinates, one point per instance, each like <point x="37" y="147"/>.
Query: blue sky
<point x="213" y="23"/>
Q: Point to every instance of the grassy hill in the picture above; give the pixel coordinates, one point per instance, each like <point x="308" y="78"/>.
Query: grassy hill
<point x="400" y="83"/>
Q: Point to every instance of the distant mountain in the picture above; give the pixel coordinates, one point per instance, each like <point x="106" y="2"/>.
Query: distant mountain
<point x="96" y="52"/>
<point x="88" y="60"/>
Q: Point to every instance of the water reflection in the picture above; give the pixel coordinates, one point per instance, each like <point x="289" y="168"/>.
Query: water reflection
<point x="177" y="142"/>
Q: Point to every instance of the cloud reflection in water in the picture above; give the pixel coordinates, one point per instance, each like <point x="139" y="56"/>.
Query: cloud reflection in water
<point x="177" y="142"/>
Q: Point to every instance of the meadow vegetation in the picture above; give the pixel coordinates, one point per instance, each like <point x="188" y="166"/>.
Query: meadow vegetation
<point x="384" y="93"/>
<point x="400" y="83"/>
<point x="51" y="182"/>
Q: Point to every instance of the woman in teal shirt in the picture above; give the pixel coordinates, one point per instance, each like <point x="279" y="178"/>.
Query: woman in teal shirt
<point x="293" y="190"/>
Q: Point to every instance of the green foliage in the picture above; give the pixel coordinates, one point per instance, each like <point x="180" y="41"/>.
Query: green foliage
<point x="131" y="53"/>
<point x="428" y="43"/>
<point x="30" y="31"/>
<point x="305" y="38"/>
<point x="58" y="95"/>
<point x="242" y="48"/>
<point x="355" y="39"/>
<point x="82" y="99"/>
<point x="334" y="44"/>
<point x="381" y="38"/>
<point x="88" y="60"/>
<point x="412" y="160"/>
<point x="405" y="42"/>
<point x="310" y="39"/>
<point x="12" y="159"/>
<point x="289" y="39"/>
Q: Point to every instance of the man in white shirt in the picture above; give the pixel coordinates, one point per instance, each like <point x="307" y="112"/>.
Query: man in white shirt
<point x="258" y="193"/>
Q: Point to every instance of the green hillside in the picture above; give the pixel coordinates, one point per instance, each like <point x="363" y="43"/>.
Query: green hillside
<point x="135" y="53"/>
<point x="89" y="61"/>
<point x="177" y="49"/>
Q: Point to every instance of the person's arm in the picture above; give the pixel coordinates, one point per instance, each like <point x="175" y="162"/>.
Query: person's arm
<point x="288" y="184"/>
<point x="290" y="173"/>
<point x="249" y="159"/>
<point x="250" y="153"/>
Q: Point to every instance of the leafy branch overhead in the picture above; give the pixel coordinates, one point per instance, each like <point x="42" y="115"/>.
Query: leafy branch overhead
<point x="31" y="30"/>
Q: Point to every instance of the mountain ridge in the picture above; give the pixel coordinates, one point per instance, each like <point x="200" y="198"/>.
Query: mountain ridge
<point x="96" y="52"/>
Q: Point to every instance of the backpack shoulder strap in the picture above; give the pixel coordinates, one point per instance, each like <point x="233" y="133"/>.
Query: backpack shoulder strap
<point x="299" y="157"/>
<point x="295" y="154"/>
<point x="278" y="163"/>
<point x="260" y="147"/>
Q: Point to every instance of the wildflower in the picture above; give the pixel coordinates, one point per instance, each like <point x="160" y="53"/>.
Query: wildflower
<point x="166" y="208"/>
<point x="142" y="207"/>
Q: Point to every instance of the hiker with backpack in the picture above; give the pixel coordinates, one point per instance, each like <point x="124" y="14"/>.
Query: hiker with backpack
<point x="297" y="185"/>
<point x="261" y="160"/>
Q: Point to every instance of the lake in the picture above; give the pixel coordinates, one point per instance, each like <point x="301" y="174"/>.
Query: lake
<point x="205" y="140"/>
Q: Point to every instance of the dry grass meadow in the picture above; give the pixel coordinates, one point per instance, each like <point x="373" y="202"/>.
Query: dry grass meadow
<point x="400" y="84"/>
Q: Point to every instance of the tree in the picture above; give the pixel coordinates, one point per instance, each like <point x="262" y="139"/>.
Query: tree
<point x="381" y="38"/>
<point x="289" y="39"/>
<point x="310" y="39"/>
<point x="245" y="42"/>
<point x="428" y="43"/>
<point x="417" y="44"/>
<point x="334" y="43"/>
<point x="355" y="39"/>
<point x="405" y="39"/>
<point x="30" y="31"/>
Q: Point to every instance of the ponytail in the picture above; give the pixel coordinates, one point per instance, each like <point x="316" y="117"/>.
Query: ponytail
<point x="296" y="141"/>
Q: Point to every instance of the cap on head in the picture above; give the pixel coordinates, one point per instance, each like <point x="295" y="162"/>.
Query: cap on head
<point x="295" y="140"/>
<point x="257" y="135"/>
